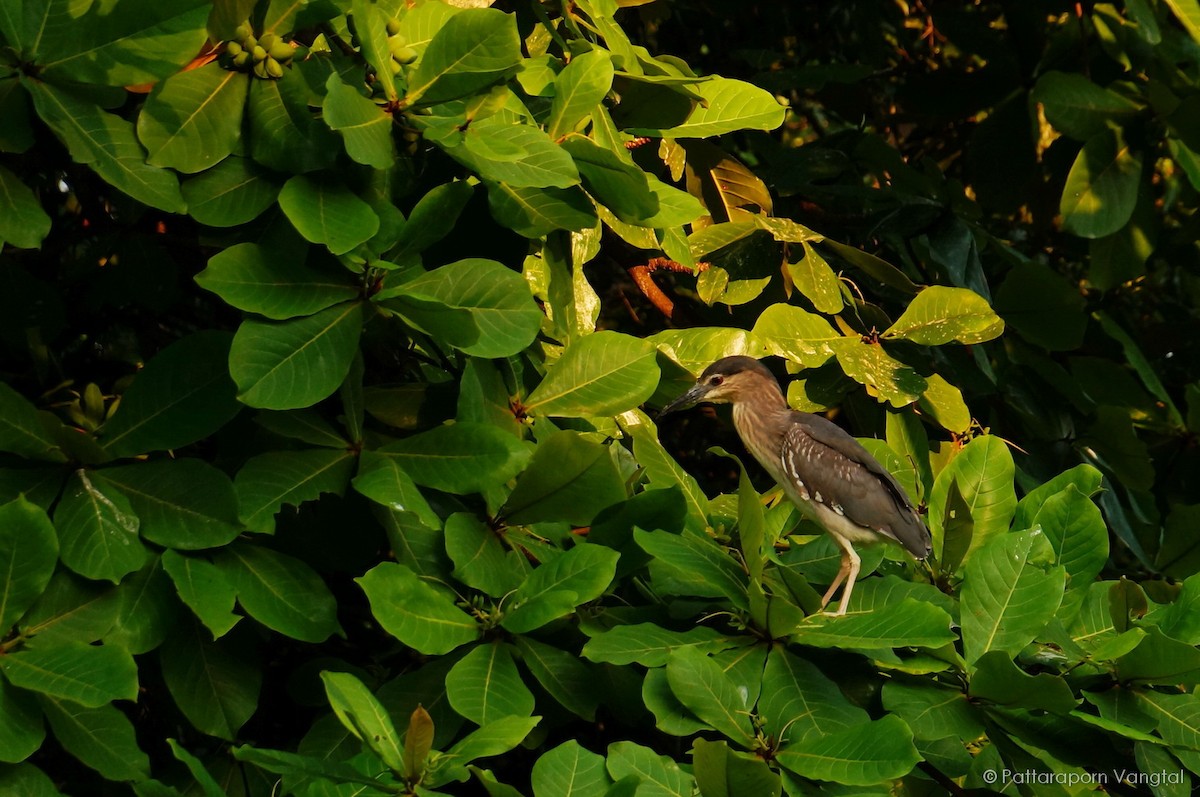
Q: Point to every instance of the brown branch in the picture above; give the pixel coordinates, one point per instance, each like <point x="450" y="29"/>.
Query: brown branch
<point x="641" y="278"/>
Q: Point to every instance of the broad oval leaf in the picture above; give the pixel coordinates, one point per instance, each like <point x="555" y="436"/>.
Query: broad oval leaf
<point x="578" y="89"/>
<point x="599" y="374"/>
<point x="726" y="105"/>
<point x="101" y="737"/>
<point x="98" y="530"/>
<point x="1010" y="591"/>
<point x="496" y="297"/>
<point x="181" y="503"/>
<point x="21" y="428"/>
<point x="1102" y="187"/>
<point x="865" y="755"/>
<point x="269" y="481"/>
<point x="415" y="612"/>
<point x="204" y="589"/>
<point x="22" y="732"/>
<point x="795" y="334"/>
<point x="193" y="119"/>
<point x="701" y="685"/>
<point x="365" y="717"/>
<point x="570" y="478"/>
<point x="459" y="458"/>
<point x="296" y="363"/>
<point x="280" y="591"/>
<point x="939" y="315"/>
<point x="982" y="474"/>
<point x="252" y="279"/>
<point x="23" y="222"/>
<point x="1078" y="107"/>
<point x="106" y="143"/>
<point x="28" y="553"/>
<point x="215" y="684"/>
<point x="484" y="686"/>
<point x="470" y="51"/>
<point x="327" y="212"/>
<point x="90" y="675"/>
<point x="570" y="770"/>
<point x="366" y="128"/>
<point x="233" y="192"/>
<point x="183" y="394"/>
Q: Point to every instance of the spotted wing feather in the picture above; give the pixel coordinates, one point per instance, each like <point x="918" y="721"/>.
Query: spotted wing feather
<point x="838" y="472"/>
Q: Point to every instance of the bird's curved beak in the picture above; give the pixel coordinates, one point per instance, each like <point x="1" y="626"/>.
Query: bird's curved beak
<point x="688" y="399"/>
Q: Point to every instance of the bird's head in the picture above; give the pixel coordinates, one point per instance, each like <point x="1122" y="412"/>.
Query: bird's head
<point x="728" y="381"/>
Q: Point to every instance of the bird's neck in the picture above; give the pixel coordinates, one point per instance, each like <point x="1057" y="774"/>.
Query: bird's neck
<point x="757" y="420"/>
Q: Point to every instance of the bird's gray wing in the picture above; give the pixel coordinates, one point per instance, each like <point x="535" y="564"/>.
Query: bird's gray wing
<point x="839" y="473"/>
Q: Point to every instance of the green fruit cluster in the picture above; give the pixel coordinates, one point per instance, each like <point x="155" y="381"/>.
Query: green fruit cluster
<point x="398" y="46"/>
<point x="266" y="56"/>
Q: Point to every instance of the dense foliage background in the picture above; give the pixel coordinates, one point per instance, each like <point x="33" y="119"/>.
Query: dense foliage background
<point x="331" y="333"/>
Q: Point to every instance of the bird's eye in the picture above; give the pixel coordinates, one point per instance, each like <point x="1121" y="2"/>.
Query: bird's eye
<point x="716" y="381"/>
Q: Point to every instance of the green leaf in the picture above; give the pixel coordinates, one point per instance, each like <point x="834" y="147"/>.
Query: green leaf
<point x="370" y="23"/>
<point x="365" y="717"/>
<point x="72" y="609"/>
<point x="668" y="779"/>
<point x="90" y="675"/>
<point x="289" y="764"/>
<point x="101" y="737"/>
<point x="702" y="686"/>
<point x="1010" y="591"/>
<point x="146" y="610"/>
<point x="569" y="770"/>
<point x="600" y="374"/>
<point x="471" y="51"/>
<point x="140" y="42"/>
<point x="939" y="315"/>
<point x="184" y="394"/>
<point x="982" y="473"/>
<point x="726" y="105"/>
<point x="1158" y="659"/>
<point x="432" y="218"/>
<point x="484" y="686"/>
<point x="415" y="612"/>
<point x="280" y="591"/>
<point x="693" y="564"/>
<point x="554" y="588"/>
<point x="517" y="154"/>
<point x="381" y="479"/>
<point x="269" y="481"/>
<point x="193" y="120"/>
<point x="327" y="212"/>
<point x="1188" y="14"/>
<point x="816" y="280"/>
<point x="578" y="89"/>
<point x="21" y="428"/>
<point x="1043" y="307"/>
<point x="535" y="212"/>
<point x="284" y="135"/>
<point x="795" y="334"/>
<point x="459" y="458"/>
<point x="215" y="684"/>
<point x="21" y="732"/>
<point x="26" y="780"/>
<point x="204" y="588"/>
<point x="181" y="503"/>
<point x="561" y="674"/>
<point x="620" y="186"/>
<point x="800" y="703"/>
<point x="909" y="623"/>
<point x="1102" y="187"/>
<point x="883" y="375"/>
<point x="570" y="478"/>
<point x="998" y="680"/>
<point x="933" y="711"/>
<point x="867" y="754"/>
<point x="296" y="363"/>
<point x="366" y="128"/>
<point x="1076" y="531"/>
<point x="697" y="348"/>
<point x="105" y="142"/>
<point x="98" y="530"/>
<point x="249" y="278"/>
<point x="200" y="773"/>
<point x="23" y="223"/>
<point x="1078" y="107"/>
<point x="944" y="402"/>
<point x="481" y="558"/>
<point x="233" y="192"/>
<point x="721" y="772"/>
<point x="28" y="553"/>
<point x="497" y="299"/>
<point x="650" y="645"/>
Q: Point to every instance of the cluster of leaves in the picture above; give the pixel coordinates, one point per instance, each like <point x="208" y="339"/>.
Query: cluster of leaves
<point x="380" y="511"/>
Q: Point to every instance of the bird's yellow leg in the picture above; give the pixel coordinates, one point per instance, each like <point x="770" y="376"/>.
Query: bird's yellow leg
<point x="848" y="572"/>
